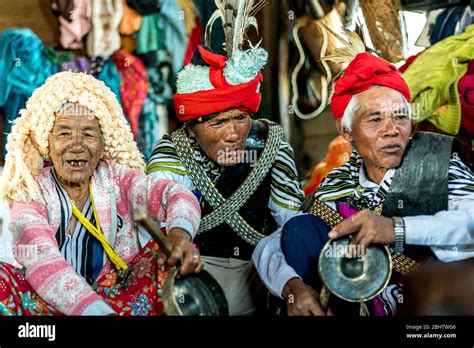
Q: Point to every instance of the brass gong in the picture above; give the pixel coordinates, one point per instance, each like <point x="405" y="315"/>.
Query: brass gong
<point x="193" y="294"/>
<point x="354" y="279"/>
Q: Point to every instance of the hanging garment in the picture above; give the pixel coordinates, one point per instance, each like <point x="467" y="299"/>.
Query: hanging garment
<point x="131" y="20"/>
<point x="23" y="67"/>
<point x="151" y="36"/>
<point x="205" y="10"/>
<point x="149" y="127"/>
<point x="104" y="37"/>
<point x="133" y="87"/>
<point x="433" y="80"/>
<point x="145" y="7"/>
<point x="63" y="8"/>
<point x="424" y="40"/>
<point x="58" y="57"/>
<point x="128" y="43"/>
<point x="74" y="18"/>
<point x="338" y="153"/>
<point x="408" y="62"/>
<point x="107" y="71"/>
<point x="154" y="110"/>
<point x="194" y="30"/>
<point x="466" y="95"/>
<point x="190" y="13"/>
<point x="96" y="66"/>
<point x="446" y="22"/>
<point x="466" y="19"/>
<point x="79" y="64"/>
<point x="384" y="23"/>
<point x="194" y="41"/>
<point x="162" y="30"/>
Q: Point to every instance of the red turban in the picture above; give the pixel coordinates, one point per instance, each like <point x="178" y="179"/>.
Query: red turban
<point x="365" y="71"/>
<point x="243" y="96"/>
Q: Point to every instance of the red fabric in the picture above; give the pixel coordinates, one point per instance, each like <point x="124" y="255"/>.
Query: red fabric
<point x="224" y="97"/>
<point x="362" y="73"/>
<point x="466" y="96"/>
<point x="338" y="153"/>
<point x="408" y="62"/>
<point x="133" y="87"/>
<point x="194" y="41"/>
<point x="142" y="297"/>
<point x="470" y="67"/>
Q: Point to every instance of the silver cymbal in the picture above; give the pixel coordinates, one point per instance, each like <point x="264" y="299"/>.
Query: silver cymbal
<point x="354" y="279"/>
<point x="194" y="294"/>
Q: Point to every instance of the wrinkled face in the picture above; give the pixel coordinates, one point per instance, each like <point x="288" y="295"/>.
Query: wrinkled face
<point x="381" y="127"/>
<point x="76" y="144"/>
<point x="223" y="134"/>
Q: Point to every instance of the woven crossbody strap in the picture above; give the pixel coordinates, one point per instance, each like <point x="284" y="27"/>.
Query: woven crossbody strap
<point x="226" y="210"/>
<point x="401" y="263"/>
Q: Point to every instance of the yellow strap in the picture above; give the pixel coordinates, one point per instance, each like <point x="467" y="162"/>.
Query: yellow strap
<point x="97" y="233"/>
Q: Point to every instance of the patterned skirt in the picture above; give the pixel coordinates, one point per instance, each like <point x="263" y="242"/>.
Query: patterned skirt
<point x="143" y="296"/>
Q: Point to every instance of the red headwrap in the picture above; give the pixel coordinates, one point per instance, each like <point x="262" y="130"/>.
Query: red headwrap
<point x="362" y="73"/>
<point x="224" y="97"/>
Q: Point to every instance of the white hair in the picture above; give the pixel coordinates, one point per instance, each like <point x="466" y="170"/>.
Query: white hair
<point x="353" y="105"/>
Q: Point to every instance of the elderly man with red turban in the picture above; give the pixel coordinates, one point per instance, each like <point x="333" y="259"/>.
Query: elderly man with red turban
<point x="425" y="191"/>
<point x="241" y="170"/>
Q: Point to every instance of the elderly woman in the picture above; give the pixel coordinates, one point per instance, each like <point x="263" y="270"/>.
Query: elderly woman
<point x="426" y="191"/>
<point x="74" y="180"/>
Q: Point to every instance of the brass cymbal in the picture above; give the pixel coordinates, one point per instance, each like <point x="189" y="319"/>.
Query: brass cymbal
<point x="194" y="294"/>
<point x="355" y="279"/>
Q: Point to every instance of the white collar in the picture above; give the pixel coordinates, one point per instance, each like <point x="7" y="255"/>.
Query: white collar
<point x="366" y="183"/>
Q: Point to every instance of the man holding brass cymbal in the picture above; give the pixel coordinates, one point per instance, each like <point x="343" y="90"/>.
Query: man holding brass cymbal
<point x="412" y="194"/>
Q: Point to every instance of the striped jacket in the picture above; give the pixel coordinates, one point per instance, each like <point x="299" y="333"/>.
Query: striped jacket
<point x="284" y="201"/>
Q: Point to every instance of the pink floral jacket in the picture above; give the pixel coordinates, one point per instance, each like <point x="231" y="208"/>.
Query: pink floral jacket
<point x="117" y="190"/>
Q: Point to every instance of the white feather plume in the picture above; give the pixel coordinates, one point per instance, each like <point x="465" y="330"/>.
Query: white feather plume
<point x="237" y="17"/>
<point x="353" y="42"/>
